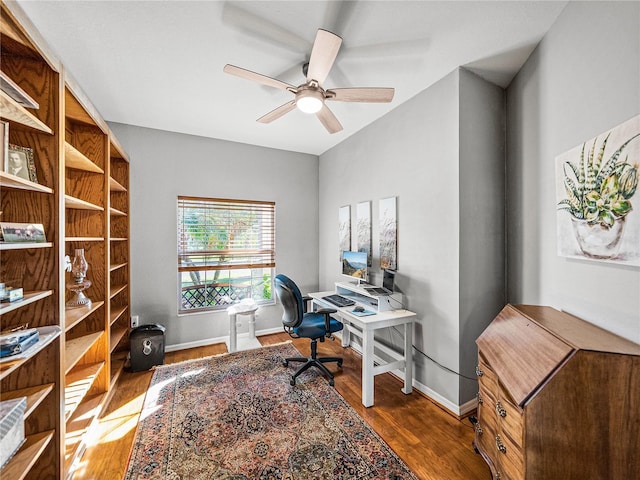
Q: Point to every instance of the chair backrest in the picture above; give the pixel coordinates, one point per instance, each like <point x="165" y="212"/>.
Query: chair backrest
<point x="291" y="298"/>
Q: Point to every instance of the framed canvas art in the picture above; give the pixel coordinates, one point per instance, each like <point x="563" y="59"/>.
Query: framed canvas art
<point x="363" y="229"/>
<point x="388" y="234"/>
<point x="344" y="229"/>
<point x="598" y="214"/>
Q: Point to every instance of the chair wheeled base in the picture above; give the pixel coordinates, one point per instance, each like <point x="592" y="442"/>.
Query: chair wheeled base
<point x="313" y="361"/>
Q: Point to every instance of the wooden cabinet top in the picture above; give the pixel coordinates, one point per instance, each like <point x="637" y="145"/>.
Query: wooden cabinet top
<point x="526" y="344"/>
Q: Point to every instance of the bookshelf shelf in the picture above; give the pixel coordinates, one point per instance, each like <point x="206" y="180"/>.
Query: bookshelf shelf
<point x="12" y="110"/>
<point x="82" y="201"/>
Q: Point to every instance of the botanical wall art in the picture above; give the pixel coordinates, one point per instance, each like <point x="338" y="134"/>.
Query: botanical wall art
<point x="363" y="229"/>
<point x="344" y="229"/>
<point x="388" y="234"/>
<point x="598" y="209"/>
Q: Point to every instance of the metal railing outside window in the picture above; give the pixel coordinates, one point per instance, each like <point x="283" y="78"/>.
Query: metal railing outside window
<point x="226" y="252"/>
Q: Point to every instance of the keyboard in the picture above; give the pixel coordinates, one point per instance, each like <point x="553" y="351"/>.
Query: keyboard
<point x="382" y="292"/>
<point x="339" y="300"/>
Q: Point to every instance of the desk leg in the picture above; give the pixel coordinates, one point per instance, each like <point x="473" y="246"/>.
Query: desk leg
<point x="252" y="325"/>
<point x="233" y="335"/>
<point x="346" y="336"/>
<point x="408" y="358"/>
<point x="367" y="368"/>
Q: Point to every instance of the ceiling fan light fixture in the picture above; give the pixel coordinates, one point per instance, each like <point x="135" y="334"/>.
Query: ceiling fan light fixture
<point x="309" y="100"/>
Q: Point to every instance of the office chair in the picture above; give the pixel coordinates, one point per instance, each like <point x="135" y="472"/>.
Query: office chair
<point x="299" y="323"/>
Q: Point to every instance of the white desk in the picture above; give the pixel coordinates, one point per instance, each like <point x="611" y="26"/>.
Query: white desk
<point x="365" y="327"/>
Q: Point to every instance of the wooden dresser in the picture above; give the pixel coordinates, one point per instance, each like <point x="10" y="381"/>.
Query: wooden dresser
<point x="559" y="398"/>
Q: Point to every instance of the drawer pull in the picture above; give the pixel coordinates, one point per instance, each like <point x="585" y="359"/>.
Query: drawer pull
<point x="479" y="372"/>
<point x="479" y="397"/>
<point x="500" y="410"/>
<point x="500" y="445"/>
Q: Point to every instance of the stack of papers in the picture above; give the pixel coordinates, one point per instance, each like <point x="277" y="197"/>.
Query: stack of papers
<point x="14" y="343"/>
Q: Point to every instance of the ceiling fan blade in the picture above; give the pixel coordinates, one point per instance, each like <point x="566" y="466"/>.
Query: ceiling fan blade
<point x="329" y="120"/>
<point x="267" y="31"/>
<point x="365" y="94"/>
<point x="324" y="52"/>
<point x="402" y="48"/>
<point x="258" y="77"/>
<point x="278" y="112"/>
<point x="338" y="15"/>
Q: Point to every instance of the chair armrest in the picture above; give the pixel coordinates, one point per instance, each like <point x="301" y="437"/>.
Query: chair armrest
<point x="328" y="311"/>
<point x="305" y="303"/>
<point x="327" y="319"/>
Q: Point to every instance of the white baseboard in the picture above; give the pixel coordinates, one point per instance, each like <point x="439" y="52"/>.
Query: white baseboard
<point x="210" y="341"/>
<point x="458" y="410"/>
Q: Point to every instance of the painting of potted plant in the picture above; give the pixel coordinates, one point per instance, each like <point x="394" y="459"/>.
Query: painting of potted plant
<point x="596" y="184"/>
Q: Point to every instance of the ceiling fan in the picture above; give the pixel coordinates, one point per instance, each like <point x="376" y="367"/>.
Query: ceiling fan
<point x="310" y="97"/>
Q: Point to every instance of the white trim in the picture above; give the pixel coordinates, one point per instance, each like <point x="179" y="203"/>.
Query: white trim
<point x="210" y="341"/>
<point x="458" y="410"/>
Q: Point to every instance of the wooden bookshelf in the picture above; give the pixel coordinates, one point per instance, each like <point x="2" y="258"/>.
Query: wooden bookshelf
<point x="81" y="197"/>
<point x="28" y="297"/>
<point x="73" y="316"/>
<point x="12" y="110"/>
<point x="28" y="455"/>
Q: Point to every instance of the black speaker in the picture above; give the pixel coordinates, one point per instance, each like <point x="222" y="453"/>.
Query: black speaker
<point x="147" y="346"/>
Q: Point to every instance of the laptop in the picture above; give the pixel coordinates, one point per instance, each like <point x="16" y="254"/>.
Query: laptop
<point x="387" y="285"/>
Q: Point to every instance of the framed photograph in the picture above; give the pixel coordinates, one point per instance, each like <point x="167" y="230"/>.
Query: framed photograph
<point x="23" y="232"/>
<point x="4" y="142"/>
<point x="20" y="162"/>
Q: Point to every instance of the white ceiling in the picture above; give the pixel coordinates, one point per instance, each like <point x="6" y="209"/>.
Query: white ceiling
<point x="158" y="64"/>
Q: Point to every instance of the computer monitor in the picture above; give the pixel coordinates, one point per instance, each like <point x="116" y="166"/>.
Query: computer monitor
<point x="354" y="265"/>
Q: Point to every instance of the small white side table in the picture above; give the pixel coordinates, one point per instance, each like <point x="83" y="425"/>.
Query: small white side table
<point x="245" y="307"/>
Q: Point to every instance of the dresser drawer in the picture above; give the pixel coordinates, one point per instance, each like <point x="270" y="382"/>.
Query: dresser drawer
<point x="486" y="431"/>
<point x="487" y="378"/>
<point x="486" y="407"/>
<point x="510" y="458"/>
<point x="511" y="420"/>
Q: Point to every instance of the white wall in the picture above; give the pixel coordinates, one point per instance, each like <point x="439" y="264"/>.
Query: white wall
<point x="165" y="165"/>
<point x="582" y="80"/>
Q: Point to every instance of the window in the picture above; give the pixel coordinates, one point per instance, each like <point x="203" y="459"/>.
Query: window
<point x="226" y="252"/>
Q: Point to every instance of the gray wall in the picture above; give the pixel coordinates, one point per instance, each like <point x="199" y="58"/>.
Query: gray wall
<point x="437" y="169"/>
<point x="482" y="216"/>
<point x="582" y="80"/>
<point x="165" y="165"/>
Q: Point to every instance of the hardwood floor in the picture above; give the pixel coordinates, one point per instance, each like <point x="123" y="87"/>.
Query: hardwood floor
<point x="433" y="443"/>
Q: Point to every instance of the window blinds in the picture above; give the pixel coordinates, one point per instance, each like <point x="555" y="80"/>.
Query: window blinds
<point x="217" y="234"/>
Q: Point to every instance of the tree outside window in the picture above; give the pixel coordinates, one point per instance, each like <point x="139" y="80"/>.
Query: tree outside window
<point x="226" y="252"/>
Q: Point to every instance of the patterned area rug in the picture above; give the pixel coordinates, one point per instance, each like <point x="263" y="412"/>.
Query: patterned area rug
<point x="235" y="416"/>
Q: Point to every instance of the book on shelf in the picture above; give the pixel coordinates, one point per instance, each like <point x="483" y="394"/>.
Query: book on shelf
<point x="18" y="342"/>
